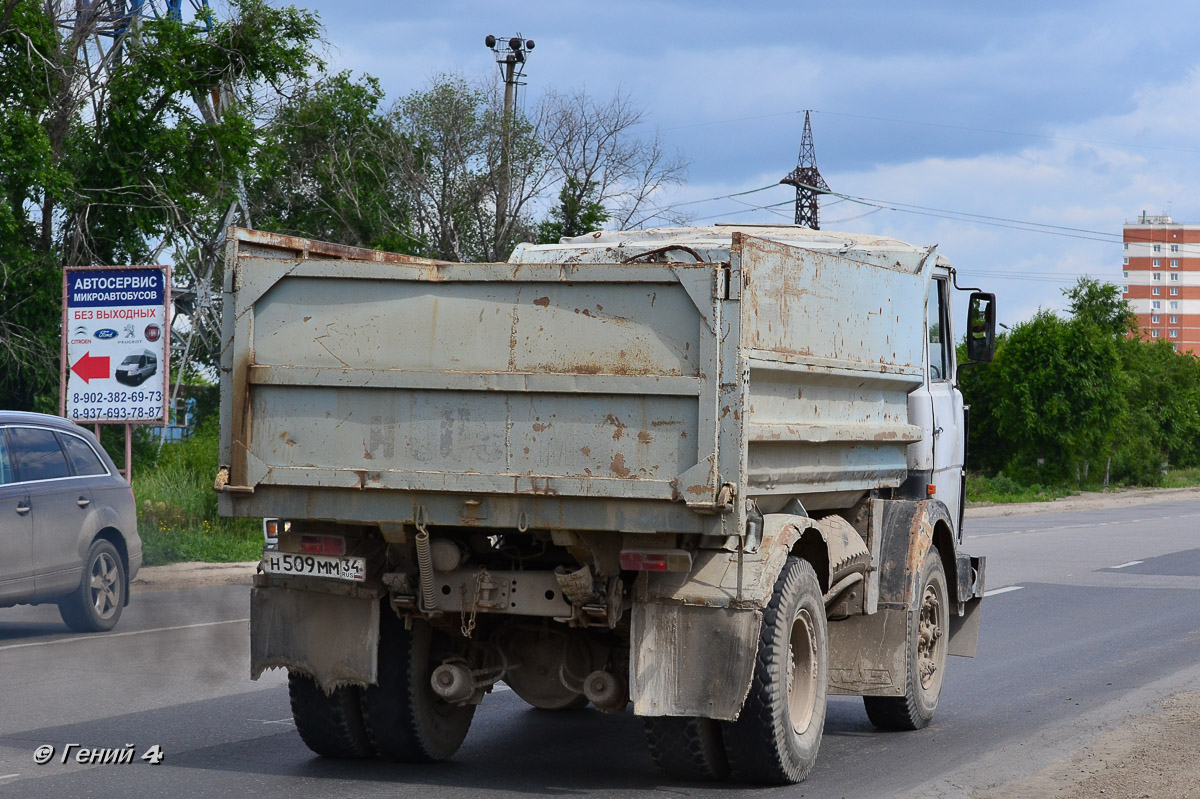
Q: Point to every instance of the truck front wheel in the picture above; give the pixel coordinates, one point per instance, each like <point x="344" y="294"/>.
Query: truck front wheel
<point x="404" y="718"/>
<point x="929" y="621"/>
<point x="329" y="724"/>
<point x="776" y="737"/>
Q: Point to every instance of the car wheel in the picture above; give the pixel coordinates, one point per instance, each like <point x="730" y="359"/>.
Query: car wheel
<point x="95" y="606"/>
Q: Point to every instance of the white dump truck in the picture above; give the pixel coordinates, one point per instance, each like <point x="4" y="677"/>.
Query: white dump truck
<point x="714" y="473"/>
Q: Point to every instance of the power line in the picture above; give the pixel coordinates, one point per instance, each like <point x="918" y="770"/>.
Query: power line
<point x="983" y="219"/>
<point x="852" y="218"/>
<point x="1009" y="223"/>
<point x="745" y="211"/>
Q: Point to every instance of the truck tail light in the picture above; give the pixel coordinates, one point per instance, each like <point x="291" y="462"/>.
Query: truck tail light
<point x="272" y="528"/>
<point x="659" y="560"/>
<point x="322" y="545"/>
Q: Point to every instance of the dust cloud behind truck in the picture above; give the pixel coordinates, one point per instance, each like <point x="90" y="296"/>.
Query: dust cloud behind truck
<point x="716" y="473"/>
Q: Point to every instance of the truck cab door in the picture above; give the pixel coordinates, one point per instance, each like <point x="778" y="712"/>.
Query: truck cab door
<point x="945" y="401"/>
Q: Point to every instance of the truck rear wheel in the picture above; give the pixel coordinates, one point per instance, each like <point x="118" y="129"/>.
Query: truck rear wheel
<point x="776" y="738"/>
<point x="928" y="624"/>
<point x="687" y="748"/>
<point x="404" y="718"/>
<point x="330" y="725"/>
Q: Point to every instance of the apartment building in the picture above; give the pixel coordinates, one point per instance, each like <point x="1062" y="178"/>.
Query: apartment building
<point x="1162" y="279"/>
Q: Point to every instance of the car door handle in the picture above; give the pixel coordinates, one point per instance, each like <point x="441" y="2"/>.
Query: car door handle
<point x="22" y="509"/>
<point x="83" y="502"/>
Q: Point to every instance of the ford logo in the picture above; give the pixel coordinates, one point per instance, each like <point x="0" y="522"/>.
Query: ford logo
<point x="106" y="333"/>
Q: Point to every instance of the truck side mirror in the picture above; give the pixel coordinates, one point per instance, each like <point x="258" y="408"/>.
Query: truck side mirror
<point x="981" y="327"/>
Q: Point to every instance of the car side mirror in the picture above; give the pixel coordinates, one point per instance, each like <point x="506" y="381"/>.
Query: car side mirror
<point x="981" y="327"/>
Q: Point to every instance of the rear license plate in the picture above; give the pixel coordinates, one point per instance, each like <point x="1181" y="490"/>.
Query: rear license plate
<point x="349" y="568"/>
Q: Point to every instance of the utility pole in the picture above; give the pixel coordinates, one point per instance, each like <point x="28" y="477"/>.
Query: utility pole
<point x="807" y="180"/>
<point x="510" y="57"/>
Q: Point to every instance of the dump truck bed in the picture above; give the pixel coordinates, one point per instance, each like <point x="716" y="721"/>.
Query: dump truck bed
<point x="646" y="381"/>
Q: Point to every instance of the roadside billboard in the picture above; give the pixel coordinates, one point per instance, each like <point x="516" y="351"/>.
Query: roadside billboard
<point x="116" y="334"/>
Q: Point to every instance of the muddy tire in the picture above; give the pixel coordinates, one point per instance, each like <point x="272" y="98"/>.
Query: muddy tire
<point x="331" y="726"/>
<point x="404" y="718"/>
<point x="776" y="738"/>
<point x="927" y="646"/>
<point x="95" y="605"/>
<point x="687" y="748"/>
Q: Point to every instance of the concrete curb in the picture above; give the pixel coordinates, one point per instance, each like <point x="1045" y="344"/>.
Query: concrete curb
<point x="193" y="574"/>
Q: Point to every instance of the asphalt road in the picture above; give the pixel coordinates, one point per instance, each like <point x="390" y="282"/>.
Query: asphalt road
<point x="1100" y="619"/>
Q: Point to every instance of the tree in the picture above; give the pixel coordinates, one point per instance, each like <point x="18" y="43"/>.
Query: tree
<point x="1162" y="391"/>
<point x="983" y="387"/>
<point x="30" y="284"/>
<point x="600" y="160"/>
<point x="578" y="212"/>
<point x="452" y="143"/>
<point x="326" y="168"/>
<point x="124" y="158"/>
<point x="1063" y="405"/>
<point x="1101" y="304"/>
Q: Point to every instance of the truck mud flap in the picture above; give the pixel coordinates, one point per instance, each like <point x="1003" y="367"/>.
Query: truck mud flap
<point x="867" y="654"/>
<point x="964" y="630"/>
<point x="329" y="637"/>
<point x="692" y="661"/>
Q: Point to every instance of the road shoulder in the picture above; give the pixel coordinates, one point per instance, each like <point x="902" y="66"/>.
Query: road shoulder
<point x="1092" y="500"/>
<point x="192" y="574"/>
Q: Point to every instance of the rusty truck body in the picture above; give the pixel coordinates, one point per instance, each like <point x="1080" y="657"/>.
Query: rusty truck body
<point x="716" y="473"/>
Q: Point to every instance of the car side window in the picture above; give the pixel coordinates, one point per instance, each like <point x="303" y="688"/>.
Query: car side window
<point x="83" y="459"/>
<point x="36" y="454"/>
<point x="6" y="473"/>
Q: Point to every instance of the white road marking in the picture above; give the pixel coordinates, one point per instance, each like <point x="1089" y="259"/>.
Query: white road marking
<point x="1130" y="563"/>
<point x="122" y="635"/>
<point x="1003" y="590"/>
<point x="6" y="776"/>
<point x="286" y="722"/>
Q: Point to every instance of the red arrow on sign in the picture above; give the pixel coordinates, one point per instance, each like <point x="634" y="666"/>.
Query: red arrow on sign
<point x="90" y="367"/>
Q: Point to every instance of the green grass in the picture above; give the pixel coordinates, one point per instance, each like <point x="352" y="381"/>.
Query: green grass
<point x="229" y="541"/>
<point x="1001" y="489"/>
<point x="177" y="507"/>
<point x="1181" y="478"/>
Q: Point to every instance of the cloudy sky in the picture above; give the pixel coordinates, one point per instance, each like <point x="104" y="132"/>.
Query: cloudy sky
<point x="1018" y="135"/>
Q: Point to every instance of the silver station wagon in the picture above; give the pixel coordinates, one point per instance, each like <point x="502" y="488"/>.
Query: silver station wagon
<point x="68" y="522"/>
